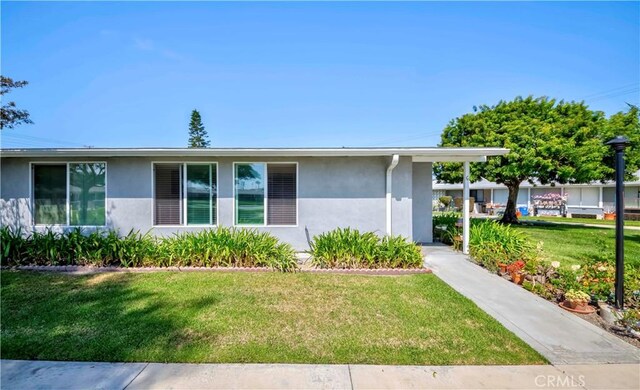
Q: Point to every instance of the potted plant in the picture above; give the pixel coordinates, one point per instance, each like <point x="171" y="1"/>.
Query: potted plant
<point x="609" y="214"/>
<point x="446" y="201"/>
<point x="576" y="299"/>
<point x="515" y="270"/>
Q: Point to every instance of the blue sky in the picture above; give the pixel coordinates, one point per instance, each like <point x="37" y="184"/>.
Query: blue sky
<point x="303" y="74"/>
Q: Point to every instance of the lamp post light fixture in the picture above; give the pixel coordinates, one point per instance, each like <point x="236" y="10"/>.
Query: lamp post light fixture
<point x="618" y="144"/>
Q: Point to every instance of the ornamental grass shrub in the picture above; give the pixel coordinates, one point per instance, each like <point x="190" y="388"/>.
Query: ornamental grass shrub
<point x="349" y="248"/>
<point x="226" y="247"/>
<point x="207" y="248"/>
<point x="75" y="247"/>
<point x="491" y="242"/>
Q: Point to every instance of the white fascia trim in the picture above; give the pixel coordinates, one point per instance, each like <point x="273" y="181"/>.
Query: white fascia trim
<point x="430" y="153"/>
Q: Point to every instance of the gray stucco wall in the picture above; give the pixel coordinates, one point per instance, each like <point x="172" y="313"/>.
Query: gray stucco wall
<point x="332" y="192"/>
<point x="421" y="199"/>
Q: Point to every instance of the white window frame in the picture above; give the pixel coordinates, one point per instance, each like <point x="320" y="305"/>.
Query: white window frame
<point x="183" y="194"/>
<point x="67" y="224"/>
<point x="266" y="193"/>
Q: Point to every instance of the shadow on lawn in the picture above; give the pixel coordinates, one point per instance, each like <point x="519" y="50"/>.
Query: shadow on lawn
<point x="104" y="317"/>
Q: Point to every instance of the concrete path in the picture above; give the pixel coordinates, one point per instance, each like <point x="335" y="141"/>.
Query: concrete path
<point x="17" y="374"/>
<point x="561" y="337"/>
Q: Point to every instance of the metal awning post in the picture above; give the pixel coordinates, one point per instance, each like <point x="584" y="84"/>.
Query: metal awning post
<point x="465" y="209"/>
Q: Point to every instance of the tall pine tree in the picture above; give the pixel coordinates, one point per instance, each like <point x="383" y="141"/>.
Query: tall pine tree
<point x="198" y="137"/>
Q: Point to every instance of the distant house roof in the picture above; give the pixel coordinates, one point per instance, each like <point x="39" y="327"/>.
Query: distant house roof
<point x="419" y="154"/>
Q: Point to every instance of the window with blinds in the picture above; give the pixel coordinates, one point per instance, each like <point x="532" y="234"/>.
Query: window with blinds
<point x="185" y="194"/>
<point x="281" y="194"/>
<point x="168" y="194"/>
<point x="265" y="194"/>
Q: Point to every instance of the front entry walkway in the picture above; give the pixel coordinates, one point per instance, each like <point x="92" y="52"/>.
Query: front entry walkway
<point x="558" y="335"/>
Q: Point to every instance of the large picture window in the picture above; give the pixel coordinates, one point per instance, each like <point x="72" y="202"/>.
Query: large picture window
<point x="265" y="194"/>
<point x="69" y="194"/>
<point x="185" y="194"/>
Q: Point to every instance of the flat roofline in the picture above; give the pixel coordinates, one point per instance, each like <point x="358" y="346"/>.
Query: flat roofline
<point x="420" y="153"/>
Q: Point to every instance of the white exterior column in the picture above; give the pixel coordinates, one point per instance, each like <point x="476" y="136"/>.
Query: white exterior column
<point x="465" y="209"/>
<point x="600" y="203"/>
<point x="528" y="198"/>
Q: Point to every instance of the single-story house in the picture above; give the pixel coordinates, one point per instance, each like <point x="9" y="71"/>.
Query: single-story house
<point x="285" y="191"/>
<point x="591" y="199"/>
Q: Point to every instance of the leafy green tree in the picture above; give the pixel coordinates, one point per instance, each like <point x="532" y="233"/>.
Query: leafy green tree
<point x="198" y="137"/>
<point x="549" y="142"/>
<point x="10" y="115"/>
<point x="627" y="124"/>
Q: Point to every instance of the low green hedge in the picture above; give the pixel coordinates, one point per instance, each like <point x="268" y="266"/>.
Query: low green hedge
<point x="216" y="247"/>
<point x="349" y="248"/>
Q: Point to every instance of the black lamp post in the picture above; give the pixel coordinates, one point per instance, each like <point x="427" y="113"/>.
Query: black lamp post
<point x="618" y="144"/>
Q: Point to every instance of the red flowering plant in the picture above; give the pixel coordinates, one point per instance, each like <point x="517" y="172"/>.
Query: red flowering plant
<point x="515" y="267"/>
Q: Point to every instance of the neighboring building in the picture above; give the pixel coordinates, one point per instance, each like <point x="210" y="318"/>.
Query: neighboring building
<point x="582" y="199"/>
<point x="283" y="191"/>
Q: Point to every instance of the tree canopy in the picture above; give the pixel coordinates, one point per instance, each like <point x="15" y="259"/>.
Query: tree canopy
<point x="198" y="137"/>
<point x="10" y="115"/>
<point x="550" y="141"/>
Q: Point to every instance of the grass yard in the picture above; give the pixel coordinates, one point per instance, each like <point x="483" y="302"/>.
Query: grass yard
<point x="579" y="220"/>
<point x="249" y="317"/>
<point x="570" y="244"/>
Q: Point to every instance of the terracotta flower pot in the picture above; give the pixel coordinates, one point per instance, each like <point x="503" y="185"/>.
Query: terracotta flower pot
<point x="502" y="267"/>
<point x="517" y="277"/>
<point x="609" y="216"/>
<point x="576" y="304"/>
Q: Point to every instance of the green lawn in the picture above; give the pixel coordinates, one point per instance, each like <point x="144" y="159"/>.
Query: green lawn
<point x="249" y="317"/>
<point x="570" y="244"/>
<point x="579" y="220"/>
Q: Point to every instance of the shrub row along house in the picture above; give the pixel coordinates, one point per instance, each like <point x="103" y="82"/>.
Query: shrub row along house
<point x="590" y="200"/>
<point x="287" y="192"/>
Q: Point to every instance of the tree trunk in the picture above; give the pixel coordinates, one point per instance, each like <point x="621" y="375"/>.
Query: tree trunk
<point x="509" y="215"/>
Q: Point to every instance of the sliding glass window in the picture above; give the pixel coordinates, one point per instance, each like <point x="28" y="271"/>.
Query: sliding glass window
<point x="81" y="186"/>
<point x="185" y="192"/>
<point x="265" y="194"/>
<point x="250" y="194"/>
<point x="87" y="194"/>
<point x="50" y="194"/>
<point x="201" y="194"/>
